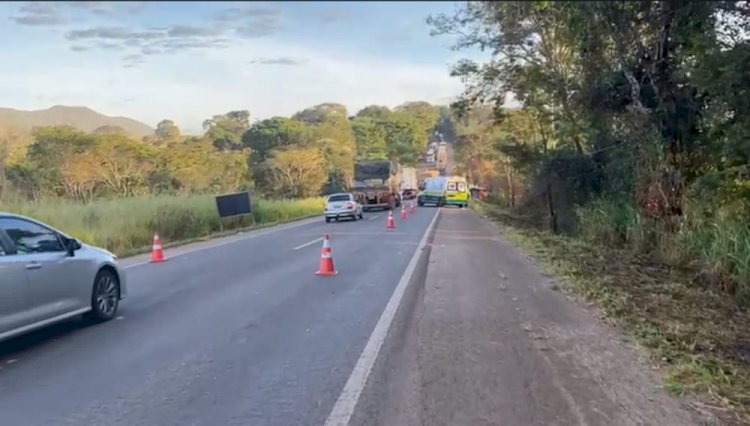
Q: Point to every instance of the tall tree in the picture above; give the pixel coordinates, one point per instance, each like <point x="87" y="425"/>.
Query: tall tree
<point x="374" y="111"/>
<point x="424" y="115"/>
<point x="266" y="137"/>
<point x="225" y="131"/>
<point x="331" y="131"/>
<point x="370" y="138"/>
<point x="167" y="132"/>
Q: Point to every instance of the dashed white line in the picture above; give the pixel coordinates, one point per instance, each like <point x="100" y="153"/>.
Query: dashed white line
<point x="375" y="217"/>
<point x="308" y="243"/>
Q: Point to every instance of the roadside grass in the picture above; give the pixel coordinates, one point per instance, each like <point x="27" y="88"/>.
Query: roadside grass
<point x="126" y="226"/>
<point x="696" y="334"/>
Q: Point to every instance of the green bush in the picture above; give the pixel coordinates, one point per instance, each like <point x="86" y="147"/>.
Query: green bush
<point x="609" y="221"/>
<point x="721" y="244"/>
<point x="716" y="244"/>
<point x="127" y="225"/>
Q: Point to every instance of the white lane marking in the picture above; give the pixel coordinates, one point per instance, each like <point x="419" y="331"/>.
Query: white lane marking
<point x="346" y="403"/>
<point x="241" y="237"/>
<point x="375" y="217"/>
<point x="308" y="243"/>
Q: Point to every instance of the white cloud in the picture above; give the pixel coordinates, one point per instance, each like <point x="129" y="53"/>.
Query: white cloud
<point x="191" y="86"/>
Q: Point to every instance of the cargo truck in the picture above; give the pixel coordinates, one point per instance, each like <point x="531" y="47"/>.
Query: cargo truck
<point x="376" y="184"/>
<point x="409" y="183"/>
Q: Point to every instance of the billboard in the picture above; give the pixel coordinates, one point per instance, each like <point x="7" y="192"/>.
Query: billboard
<point x="233" y="204"/>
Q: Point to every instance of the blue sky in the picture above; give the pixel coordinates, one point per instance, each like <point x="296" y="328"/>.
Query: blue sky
<point x="187" y="61"/>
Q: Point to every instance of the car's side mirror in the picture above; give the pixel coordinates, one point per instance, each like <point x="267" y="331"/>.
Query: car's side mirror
<point x="71" y="245"/>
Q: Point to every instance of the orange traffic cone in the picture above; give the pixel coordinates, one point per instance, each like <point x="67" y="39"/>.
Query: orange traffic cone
<point x="412" y="209"/>
<point x="390" y="224"/>
<point x="326" y="259"/>
<point x="403" y="212"/>
<point x="157" y="254"/>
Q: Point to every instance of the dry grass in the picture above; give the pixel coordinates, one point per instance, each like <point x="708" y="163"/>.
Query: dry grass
<point x="695" y="332"/>
<point x="126" y="226"/>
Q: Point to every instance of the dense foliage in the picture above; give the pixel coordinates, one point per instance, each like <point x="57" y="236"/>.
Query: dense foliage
<point x="634" y="125"/>
<point x="310" y="153"/>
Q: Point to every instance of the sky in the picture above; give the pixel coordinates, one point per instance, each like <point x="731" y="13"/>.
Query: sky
<point x="188" y="61"/>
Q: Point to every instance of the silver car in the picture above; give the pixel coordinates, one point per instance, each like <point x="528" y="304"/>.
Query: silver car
<point x="342" y="205"/>
<point x="47" y="276"/>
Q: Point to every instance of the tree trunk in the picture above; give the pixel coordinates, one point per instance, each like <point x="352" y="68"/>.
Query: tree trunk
<point x="551" y="207"/>
<point x="511" y="187"/>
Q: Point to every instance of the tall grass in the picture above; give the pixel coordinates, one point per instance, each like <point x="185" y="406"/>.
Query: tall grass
<point x="718" y="246"/>
<point x="126" y="226"/>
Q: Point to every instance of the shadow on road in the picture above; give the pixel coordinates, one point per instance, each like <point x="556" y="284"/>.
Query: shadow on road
<point x="35" y="339"/>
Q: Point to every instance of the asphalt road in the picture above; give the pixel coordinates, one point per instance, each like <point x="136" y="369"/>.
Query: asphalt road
<point x="228" y="332"/>
<point x="239" y="331"/>
<point x="485" y="339"/>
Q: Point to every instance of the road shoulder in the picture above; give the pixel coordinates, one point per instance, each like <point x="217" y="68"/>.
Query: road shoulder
<point x="489" y="340"/>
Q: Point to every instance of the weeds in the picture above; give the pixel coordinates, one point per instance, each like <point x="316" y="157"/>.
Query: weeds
<point x="697" y="333"/>
<point x="126" y="226"/>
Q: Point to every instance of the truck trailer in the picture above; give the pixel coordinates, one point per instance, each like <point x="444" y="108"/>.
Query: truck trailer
<point x="376" y="184"/>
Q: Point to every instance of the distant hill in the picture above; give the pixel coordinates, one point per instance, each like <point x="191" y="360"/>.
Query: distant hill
<point x="81" y="118"/>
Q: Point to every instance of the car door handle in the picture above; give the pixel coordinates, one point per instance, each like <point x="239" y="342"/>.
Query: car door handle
<point x="33" y="265"/>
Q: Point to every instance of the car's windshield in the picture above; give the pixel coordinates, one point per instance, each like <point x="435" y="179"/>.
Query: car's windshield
<point x="339" y="197"/>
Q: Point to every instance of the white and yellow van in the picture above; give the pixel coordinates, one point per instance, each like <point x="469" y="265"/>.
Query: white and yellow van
<point x="457" y="191"/>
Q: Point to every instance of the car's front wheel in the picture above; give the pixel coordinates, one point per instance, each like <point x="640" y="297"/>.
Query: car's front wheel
<point x="106" y="296"/>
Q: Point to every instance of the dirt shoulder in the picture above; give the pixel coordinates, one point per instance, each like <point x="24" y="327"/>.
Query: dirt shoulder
<point x="698" y="340"/>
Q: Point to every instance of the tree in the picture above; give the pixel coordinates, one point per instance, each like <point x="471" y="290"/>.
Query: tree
<point x="267" y="136"/>
<point x="370" y="137"/>
<point x="424" y="115"/>
<point x="446" y="123"/>
<point x="374" y="111"/>
<point x="52" y="151"/>
<point x="404" y="138"/>
<point x="225" y="131"/>
<point x="121" y="165"/>
<point x="167" y="132"/>
<point x="12" y="146"/>
<point x="110" y="130"/>
<point x="297" y="172"/>
<point x="331" y="131"/>
<point x="271" y="134"/>
<point x="321" y="113"/>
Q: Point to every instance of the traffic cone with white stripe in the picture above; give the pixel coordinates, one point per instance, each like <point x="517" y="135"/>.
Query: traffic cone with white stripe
<point x="326" y="259"/>
<point x="412" y="209"/>
<point x="403" y="212"/>
<point x="390" y="224"/>
<point x="157" y="254"/>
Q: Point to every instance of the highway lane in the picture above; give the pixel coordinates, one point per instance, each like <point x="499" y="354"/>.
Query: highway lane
<point x="237" y="333"/>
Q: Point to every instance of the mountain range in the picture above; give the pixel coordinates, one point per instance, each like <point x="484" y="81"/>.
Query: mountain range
<point x="81" y="118"/>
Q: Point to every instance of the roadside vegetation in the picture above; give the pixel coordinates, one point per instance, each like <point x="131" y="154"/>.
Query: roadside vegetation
<point x="625" y="167"/>
<point x="114" y="190"/>
<point x="126" y="226"/>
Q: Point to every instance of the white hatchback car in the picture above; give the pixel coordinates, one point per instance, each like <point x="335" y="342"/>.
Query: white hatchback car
<point x="342" y="205"/>
<point x="47" y="276"/>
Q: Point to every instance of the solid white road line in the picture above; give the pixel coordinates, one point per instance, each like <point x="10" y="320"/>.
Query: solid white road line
<point x="375" y="217"/>
<point x="308" y="243"/>
<point x="240" y="237"/>
<point x="346" y="403"/>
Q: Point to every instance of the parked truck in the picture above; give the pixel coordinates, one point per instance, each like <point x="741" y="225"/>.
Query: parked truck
<point x="409" y="183"/>
<point x="376" y="184"/>
<point x="408" y="178"/>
